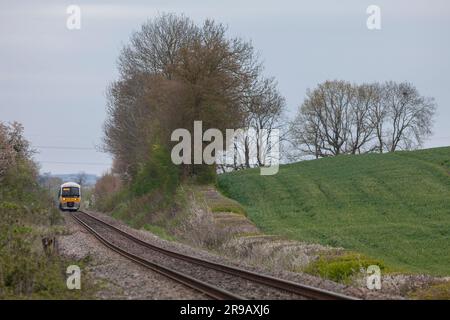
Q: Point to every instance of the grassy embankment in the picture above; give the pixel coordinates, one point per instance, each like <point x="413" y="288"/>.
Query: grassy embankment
<point x="394" y="207"/>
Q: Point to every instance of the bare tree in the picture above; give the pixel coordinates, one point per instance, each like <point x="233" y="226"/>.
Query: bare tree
<point x="377" y="115"/>
<point x="81" y="178"/>
<point x="324" y="121"/>
<point x="409" y="116"/>
<point x="305" y="133"/>
<point x="156" y="47"/>
<point x="339" y="117"/>
<point x="264" y="108"/>
<point x="362" y="127"/>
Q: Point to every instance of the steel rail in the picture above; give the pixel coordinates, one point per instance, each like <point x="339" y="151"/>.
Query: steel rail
<point x="206" y="288"/>
<point x="286" y="285"/>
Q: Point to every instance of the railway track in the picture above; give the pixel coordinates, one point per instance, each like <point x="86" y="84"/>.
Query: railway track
<point x="217" y="281"/>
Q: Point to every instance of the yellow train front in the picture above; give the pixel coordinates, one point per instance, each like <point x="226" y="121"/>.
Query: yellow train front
<point x="69" y="196"/>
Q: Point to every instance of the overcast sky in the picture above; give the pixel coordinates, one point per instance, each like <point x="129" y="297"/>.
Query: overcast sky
<point x="53" y="79"/>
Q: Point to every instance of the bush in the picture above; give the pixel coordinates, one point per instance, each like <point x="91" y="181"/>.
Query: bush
<point x="159" y="231"/>
<point x="25" y="270"/>
<point x="206" y="174"/>
<point x="108" y="192"/>
<point x="341" y="267"/>
<point x="28" y="274"/>
<point x="158" y="173"/>
<point x="13" y="147"/>
<point x="27" y="213"/>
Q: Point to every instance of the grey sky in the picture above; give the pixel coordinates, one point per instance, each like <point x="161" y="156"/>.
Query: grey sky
<point x="53" y="80"/>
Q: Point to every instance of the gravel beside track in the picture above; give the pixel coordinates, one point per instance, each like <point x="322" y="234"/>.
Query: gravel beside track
<point x="240" y="283"/>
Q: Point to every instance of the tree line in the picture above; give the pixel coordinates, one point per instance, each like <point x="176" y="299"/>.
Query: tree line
<point x="343" y="118"/>
<point x="174" y="72"/>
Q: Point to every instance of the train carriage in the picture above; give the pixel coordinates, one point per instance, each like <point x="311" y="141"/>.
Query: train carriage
<point x="69" y="196"/>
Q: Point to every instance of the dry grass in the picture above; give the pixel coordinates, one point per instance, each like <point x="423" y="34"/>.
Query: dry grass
<point x="438" y="291"/>
<point x="272" y="252"/>
<point x="199" y="227"/>
<point x="217" y="202"/>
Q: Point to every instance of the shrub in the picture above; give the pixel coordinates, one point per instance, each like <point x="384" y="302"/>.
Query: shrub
<point x="27" y="213"/>
<point x="206" y="175"/>
<point x="157" y="173"/>
<point x="108" y="192"/>
<point x="13" y="147"/>
<point x="159" y="231"/>
<point x="341" y="267"/>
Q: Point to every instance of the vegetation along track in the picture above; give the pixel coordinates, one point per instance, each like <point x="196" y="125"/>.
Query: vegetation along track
<point x="216" y="280"/>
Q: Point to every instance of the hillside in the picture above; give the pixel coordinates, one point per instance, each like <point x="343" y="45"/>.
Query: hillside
<point x="392" y="206"/>
<point x="90" y="179"/>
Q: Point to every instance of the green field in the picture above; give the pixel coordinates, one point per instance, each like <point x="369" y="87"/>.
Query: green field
<point x="392" y="206"/>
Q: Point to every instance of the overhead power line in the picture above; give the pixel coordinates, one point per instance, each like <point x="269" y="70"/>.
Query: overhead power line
<point x="78" y="163"/>
<point x="65" y="148"/>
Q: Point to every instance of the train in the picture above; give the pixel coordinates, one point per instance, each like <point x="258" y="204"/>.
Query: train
<point x="69" y="196"/>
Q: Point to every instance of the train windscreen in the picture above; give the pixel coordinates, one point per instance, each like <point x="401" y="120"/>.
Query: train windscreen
<point x="70" y="192"/>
